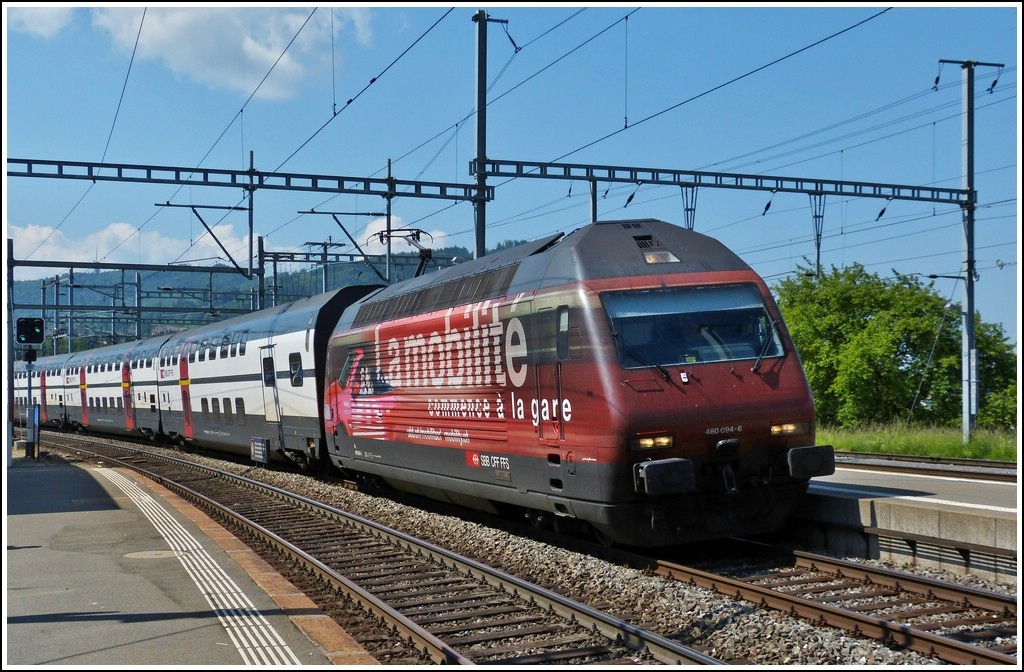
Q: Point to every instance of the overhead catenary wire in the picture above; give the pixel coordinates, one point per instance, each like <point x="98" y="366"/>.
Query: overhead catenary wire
<point x="110" y="134"/>
<point x="446" y="208"/>
<point x="223" y="133"/>
<point x="252" y="95"/>
<point x="492" y="101"/>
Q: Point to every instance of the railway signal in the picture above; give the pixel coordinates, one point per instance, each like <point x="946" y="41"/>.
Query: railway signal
<point x="31" y="330"/>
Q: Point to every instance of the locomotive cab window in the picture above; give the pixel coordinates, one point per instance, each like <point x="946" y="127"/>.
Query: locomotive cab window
<point x="690" y="325"/>
<point x="562" y="333"/>
<point x="346" y="369"/>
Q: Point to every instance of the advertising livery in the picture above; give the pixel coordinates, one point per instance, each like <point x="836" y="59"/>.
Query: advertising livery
<point x="631" y="375"/>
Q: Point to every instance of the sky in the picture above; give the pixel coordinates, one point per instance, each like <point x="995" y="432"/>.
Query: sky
<point x="849" y="92"/>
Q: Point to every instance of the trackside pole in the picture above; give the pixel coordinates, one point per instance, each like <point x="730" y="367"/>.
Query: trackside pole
<point x="32" y="421"/>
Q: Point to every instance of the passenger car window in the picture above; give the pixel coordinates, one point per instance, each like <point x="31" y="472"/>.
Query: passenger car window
<point x="268" y="372"/>
<point x="295" y="369"/>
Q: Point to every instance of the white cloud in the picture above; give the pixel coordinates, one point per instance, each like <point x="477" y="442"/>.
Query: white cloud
<point x="359" y="17"/>
<point x="234" y="49"/>
<point x="120" y="243"/>
<point x="123" y="243"/>
<point x="43" y="22"/>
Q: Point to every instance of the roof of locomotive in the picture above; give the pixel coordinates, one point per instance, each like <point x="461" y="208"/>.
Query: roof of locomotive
<point x="621" y="248"/>
<point x="631" y="247"/>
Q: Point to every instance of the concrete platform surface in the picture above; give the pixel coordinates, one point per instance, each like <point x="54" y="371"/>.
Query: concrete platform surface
<point x="106" y="569"/>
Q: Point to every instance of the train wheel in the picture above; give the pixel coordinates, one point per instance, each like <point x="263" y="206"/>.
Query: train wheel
<point x="603" y="538"/>
<point x="538" y="520"/>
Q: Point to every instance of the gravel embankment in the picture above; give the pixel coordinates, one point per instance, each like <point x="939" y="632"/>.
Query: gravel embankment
<point x="729" y="630"/>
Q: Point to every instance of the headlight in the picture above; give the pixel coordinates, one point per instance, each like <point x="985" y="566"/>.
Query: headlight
<point x="789" y="428"/>
<point x="649" y="442"/>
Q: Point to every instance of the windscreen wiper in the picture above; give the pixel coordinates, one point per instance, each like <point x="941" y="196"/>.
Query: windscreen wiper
<point x="764" y="348"/>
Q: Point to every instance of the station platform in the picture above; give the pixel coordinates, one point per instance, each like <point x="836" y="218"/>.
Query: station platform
<point x="965" y="526"/>
<point x="105" y="569"/>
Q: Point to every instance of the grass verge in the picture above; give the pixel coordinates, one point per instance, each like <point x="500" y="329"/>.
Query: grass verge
<point x="929" y="441"/>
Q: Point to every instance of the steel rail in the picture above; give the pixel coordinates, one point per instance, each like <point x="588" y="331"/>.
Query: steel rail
<point x="907" y="637"/>
<point x="943" y="590"/>
<point x="992" y="470"/>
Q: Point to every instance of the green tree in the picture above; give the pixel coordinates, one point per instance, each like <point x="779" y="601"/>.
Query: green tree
<point x="506" y="244"/>
<point x="999" y="409"/>
<point x="877" y="350"/>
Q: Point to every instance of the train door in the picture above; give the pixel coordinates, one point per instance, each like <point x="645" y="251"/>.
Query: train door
<point x="184" y="384"/>
<point x="43" y="415"/>
<point x="83" y="393"/>
<point x="552" y="337"/>
<point x="271" y="394"/>
<point x="57" y="389"/>
<point x="62" y="396"/>
<point x="126" y="395"/>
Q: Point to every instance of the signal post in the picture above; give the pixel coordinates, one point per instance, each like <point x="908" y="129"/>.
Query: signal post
<point x="31" y="331"/>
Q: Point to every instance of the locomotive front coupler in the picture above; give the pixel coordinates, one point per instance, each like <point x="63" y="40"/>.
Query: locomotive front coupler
<point x="809" y="461"/>
<point x="671" y="476"/>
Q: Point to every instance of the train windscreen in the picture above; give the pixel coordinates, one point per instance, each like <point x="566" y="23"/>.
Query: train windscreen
<point x="691" y="325"/>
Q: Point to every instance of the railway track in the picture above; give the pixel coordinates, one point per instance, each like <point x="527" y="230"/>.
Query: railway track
<point x="446" y="609"/>
<point x="945" y="621"/>
<point x="992" y="470"/>
<point x="951" y="622"/>
<point x="954" y="623"/>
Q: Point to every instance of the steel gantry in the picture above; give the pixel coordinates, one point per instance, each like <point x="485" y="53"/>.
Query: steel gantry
<point x="690" y="180"/>
<point x="249" y="181"/>
<point x="816" y="189"/>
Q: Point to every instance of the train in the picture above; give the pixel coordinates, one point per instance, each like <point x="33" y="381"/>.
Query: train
<point x="631" y="379"/>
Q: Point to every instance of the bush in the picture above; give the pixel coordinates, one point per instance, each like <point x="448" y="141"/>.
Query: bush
<point x="999" y="410"/>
